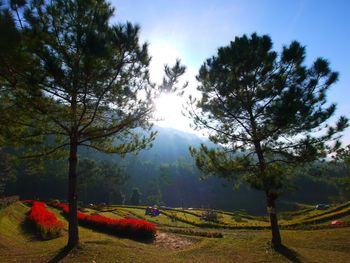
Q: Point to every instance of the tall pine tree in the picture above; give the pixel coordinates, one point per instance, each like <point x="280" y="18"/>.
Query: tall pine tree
<point x="84" y="81"/>
<point x="267" y="112"/>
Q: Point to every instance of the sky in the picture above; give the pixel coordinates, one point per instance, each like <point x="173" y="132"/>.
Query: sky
<point x="193" y="30"/>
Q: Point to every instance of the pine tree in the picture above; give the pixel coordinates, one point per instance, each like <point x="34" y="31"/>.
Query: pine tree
<point x="266" y="111"/>
<point x="341" y="164"/>
<point x="119" y="197"/>
<point x="135" y="196"/>
<point x="84" y="82"/>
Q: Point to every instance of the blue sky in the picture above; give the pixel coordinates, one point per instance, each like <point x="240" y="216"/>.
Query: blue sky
<point x="193" y="30"/>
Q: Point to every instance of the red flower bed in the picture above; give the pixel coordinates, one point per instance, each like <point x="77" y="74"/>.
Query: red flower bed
<point x="45" y="221"/>
<point x="130" y="227"/>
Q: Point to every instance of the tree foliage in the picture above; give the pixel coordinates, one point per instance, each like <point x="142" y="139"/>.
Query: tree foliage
<point x="100" y="181"/>
<point x="135" y="196"/>
<point x="256" y="101"/>
<point x="6" y="171"/>
<point x="87" y="75"/>
<point x="341" y="164"/>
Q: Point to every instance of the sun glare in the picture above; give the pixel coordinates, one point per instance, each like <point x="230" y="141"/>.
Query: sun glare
<point x="168" y="111"/>
<point x="168" y="107"/>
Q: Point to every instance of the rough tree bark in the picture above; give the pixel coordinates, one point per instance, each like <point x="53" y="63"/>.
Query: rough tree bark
<point x="276" y="236"/>
<point x="73" y="239"/>
<point x="270" y="197"/>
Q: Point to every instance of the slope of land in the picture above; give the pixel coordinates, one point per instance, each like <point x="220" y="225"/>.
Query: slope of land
<point x="18" y="243"/>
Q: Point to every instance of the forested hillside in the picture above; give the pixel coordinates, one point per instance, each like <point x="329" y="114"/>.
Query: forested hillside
<point x="164" y="174"/>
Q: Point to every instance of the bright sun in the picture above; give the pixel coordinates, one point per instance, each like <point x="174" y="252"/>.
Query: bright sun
<point x="168" y="111"/>
<point x="168" y="107"/>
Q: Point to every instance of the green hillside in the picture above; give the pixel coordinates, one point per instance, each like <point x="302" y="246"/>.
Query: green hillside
<point x="18" y="242"/>
<point x="165" y="174"/>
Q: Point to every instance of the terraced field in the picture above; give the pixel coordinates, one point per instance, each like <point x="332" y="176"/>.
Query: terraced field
<point x="235" y="220"/>
<point x="233" y="238"/>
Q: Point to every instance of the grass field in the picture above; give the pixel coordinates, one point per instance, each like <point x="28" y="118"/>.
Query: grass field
<point x="18" y="243"/>
<point x="234" y="220"/>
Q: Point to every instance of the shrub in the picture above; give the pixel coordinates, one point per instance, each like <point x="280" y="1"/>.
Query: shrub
<point x="210" y="215"/>
<point x="45" y="221"/>
<point x="191" y="232"/>
<point x="130" y="227"/>
<point x="238" y="218"/>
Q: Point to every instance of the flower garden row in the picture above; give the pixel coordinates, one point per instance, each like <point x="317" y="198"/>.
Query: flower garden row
<point x="49" y="227"/>
<point x="130" y="227"/>
<point x="45" y="222"/>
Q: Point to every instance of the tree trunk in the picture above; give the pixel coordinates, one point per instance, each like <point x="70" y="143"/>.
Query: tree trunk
<point x="73" y="237"/>
<point x="271" y="209"/>
<point x="276" y="236"/>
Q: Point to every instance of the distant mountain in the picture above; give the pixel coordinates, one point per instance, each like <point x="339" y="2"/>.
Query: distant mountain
<point x="171" y="144"/>
<point x="182" y="185"/>
<point x="165" y="174"/>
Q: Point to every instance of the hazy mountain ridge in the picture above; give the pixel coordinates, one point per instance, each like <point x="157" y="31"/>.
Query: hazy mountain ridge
<point x="185" y="187"/>
<point x="165" y="174"/>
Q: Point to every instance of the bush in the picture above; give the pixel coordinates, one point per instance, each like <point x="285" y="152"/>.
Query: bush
<point x="210" y="215"/>
<point x="191" y="232"/>
<point x="130" y="227"/>
<point x="238" y="218"/>
<point x="45" y="221"/>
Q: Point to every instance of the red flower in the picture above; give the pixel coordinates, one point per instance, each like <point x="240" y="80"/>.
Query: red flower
<point x="45" y="221"/>
<point x="127" y="226"/>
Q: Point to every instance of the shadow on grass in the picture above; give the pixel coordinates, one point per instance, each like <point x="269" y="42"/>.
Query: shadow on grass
<point x="143" y="238"/>
<point x="61" y="255"/>
<point x="288" y="253"/>
<point x="28" y="230"/>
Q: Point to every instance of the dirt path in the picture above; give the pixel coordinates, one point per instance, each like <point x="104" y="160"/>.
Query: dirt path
<point x="172" y="241"/>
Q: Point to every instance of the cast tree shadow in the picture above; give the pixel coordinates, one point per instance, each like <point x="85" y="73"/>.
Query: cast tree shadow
<point x="27" y="229"/>
<point x="288" y="253"/>
<point x="61" y="255"/>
